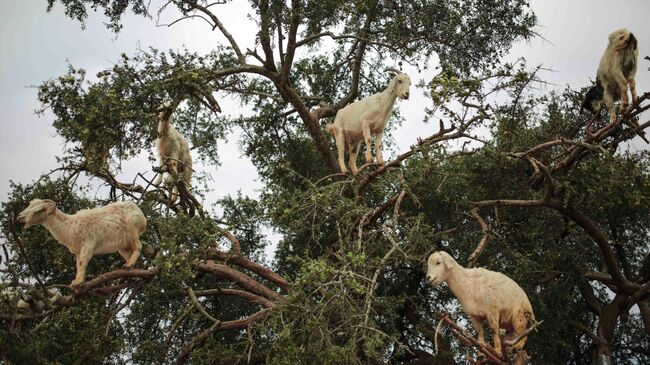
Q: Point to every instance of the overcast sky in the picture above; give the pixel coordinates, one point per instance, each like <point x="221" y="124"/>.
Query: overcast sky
<point x="36" y="46"/>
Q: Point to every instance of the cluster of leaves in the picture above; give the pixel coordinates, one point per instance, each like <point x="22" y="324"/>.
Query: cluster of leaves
<point x="115" y="115"/>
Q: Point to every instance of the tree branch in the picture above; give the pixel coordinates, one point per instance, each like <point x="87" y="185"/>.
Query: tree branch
<point x="236" y="293"/>
<point x="219" y="326"/>
<point x="486" y="237"/>
<point x="217" y="23"/>
<point x="264" y="35"/>
<point x="596" y="234"/>
<point x="260" y="270"/>
<point x="291" y="42"/>
<point x="441" y="135"/>
<point x="594" y="304"/>
<point x="240" y="279"/>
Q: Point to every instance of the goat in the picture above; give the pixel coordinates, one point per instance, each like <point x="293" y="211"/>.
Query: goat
<point x="361" y="119"/>
<point x="173" y="150"/>
<point x="616" y="72"/>
<point x="36" y="301"/>
<point x="484" y="295"/>
<point x="90" y="232"/>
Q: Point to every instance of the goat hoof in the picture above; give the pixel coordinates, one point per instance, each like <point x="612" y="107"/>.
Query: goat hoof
<point x="380" y="162"/>
<point x="127" y="267"/>
<point x="74" y="287"/>
<point x="369" y="159"/>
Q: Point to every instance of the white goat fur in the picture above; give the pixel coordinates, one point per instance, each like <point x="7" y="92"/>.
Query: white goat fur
<point x="484" y="295"/>
<point x="360" y="120"/>
<point x="115" y="227"/>
<point x="173" y="150"/>
<point x="617" y="69"/>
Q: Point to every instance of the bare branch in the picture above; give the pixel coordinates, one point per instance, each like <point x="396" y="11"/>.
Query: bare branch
<point x="260" y="270"/>
<point x="218" y="326"/>
<point x="236" y="293"/>
<point x="441" y="135"/>
<point x="486" y="237"/>
<point x="521" y="336"/>
<point x="240" y="279"/>
<point x="198" y="305"/>
<point x="486" y="349"/>
<point x="217" y="23"/>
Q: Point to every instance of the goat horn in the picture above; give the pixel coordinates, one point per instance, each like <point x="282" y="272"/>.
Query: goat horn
<point x="391" y="69"/>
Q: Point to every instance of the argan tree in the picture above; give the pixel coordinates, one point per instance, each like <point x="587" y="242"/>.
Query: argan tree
<point x="509" y="179"/>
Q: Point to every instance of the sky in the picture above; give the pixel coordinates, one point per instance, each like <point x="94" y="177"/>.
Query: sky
<point x="36" y="46"/>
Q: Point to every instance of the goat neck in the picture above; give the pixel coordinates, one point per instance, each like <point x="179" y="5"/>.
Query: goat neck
<point x="460" y="282"/>
<point x="164" y="121"/>
<point x="389" y="95"/>
<point x="58" y="223"/>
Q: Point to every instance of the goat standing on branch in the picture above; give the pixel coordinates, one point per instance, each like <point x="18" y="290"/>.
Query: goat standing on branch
<point x="361" y="119"/>
<point x="616" y="71"/>
<point x="485" y="295"/>
<point x="173" y="151"/>
<point x="114" y="227"/>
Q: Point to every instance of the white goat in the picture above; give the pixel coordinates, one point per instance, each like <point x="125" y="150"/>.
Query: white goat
<point x="173" y="150"/>
<point x="38" y="302"/>
<point x="361" y="119"/>
<point x="90" y="232"/>
<point x="484" y="295"/>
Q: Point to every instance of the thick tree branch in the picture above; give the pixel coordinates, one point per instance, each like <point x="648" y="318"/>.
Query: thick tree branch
<point x="260" y="270"/>
<point x="240" y="279"/>
<point x="265" y="35"/>
<point x="594" y="304"/>
<point x="603" y="244"/>
<point x="644" y="309"/>
<point x="291" y="42"/>
<point x="311" y="123"/>
<point x="642" y="294"/>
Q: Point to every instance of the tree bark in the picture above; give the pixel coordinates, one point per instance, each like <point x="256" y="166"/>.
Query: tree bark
<point x="602" y="348"/>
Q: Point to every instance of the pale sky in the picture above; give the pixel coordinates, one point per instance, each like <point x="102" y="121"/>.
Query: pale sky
<point x="35" y="45"/>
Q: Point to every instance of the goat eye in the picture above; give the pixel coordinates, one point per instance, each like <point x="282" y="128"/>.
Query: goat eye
<point x="438" y="263"/>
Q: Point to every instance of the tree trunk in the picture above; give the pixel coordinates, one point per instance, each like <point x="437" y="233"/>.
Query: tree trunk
<point x="602" y="348"/>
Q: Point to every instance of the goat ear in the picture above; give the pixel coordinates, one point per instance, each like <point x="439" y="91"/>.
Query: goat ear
<point x="633" y="41"/>
<point x="50" y="207"/>
<point x="448" y="262"/>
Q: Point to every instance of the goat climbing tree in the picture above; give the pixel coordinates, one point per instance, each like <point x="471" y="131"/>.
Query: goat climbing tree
<point x="508" y="178"/>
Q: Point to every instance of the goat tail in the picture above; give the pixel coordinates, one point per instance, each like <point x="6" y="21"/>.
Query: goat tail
<point x="593" y="98"/>
<point x="330" y="128"/>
